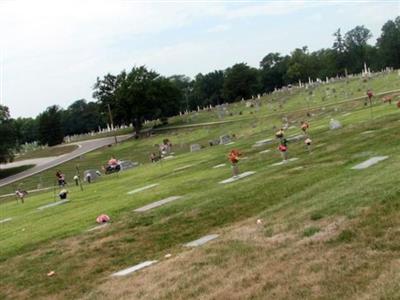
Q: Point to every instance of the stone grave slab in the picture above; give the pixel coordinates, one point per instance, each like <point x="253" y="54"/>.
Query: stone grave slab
<point x="5" y="220"/>
<point x="285" y="161"/>
<point x="98" y="227"/>
<point x="235" y="178"/>
<point x="94" y="174"/>
<point x="127" y="164"/>
<point x="183" y="168"/>
<point x="263" y="143"/>
<point x="231" y="143"/>
<point x="368" y="132"/>
<point x="142" y="188"/>
<point x="169" y="157"/>
<point x="265" y="151"/>
<point x="135" y="268"/>
<point x="219" y="166"/>
<point x="295" y="138"/>
<point x="346" y="114"/>
<point x="369" y="162"/>
<point x="225" y="139"/>
<point x="157" y="203"/>
<point x="53" y="204"/>
<point x="202" y="241"/>
<point x="195" y="147"/>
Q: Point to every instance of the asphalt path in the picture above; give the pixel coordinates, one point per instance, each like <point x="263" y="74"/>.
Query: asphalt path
<point x="83" y="147"/>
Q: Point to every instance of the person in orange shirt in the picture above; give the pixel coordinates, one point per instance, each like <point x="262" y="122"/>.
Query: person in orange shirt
<point x="304" y="126"/>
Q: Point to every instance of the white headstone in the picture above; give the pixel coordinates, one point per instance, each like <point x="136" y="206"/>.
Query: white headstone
<point x="370" y="162"/>
<point x="142" y="188"/>
<point x="134" y="268"/>
<point x="195" y="147"/>
<point x="53" y="204"/>
<point x="202" y="241"/>
<point x="157" y="203"/>
<point x="235" y="178"/>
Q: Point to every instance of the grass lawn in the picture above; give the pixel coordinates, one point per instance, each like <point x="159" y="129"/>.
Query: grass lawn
<point x="11" y="171"/>
<point x="47" y="152"/>
<point x="326" y="231"/>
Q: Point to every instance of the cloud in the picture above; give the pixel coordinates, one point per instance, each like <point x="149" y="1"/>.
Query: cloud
<point x="220" y="28"/>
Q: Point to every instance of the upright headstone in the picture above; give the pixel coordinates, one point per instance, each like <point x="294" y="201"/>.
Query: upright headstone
<point x="225" y="139"/>
<point x="195" y="147"/>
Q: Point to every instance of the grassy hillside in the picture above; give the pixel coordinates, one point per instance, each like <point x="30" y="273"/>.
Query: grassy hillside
<point x="326" y="231"/>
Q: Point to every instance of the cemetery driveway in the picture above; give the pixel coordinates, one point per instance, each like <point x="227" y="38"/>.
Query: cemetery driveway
<point x="47" y="163"/>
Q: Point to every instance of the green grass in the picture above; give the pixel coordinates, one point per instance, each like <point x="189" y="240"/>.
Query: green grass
<point x="286" y="197"/>
<point x="47" y="152"/>
<point x="12" y="171"/>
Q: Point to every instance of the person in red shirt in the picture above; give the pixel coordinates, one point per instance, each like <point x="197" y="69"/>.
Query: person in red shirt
<point x="234" y="159"/>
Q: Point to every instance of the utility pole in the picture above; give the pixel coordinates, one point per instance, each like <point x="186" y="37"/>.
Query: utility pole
<point x="112" y="123"/>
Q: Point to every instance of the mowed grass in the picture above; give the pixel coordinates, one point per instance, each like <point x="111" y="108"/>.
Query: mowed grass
<point x="11" y="171"/>
<point x="350" y="250"/>
<point x="47" y="152"/>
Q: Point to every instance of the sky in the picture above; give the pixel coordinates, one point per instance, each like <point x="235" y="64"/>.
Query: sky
<point x="52" y="51"/>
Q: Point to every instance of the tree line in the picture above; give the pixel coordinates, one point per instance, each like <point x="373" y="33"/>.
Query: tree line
<point x="141" y="94"/>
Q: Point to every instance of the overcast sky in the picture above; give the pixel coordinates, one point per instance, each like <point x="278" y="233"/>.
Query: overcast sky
<point x="52" y="51"/>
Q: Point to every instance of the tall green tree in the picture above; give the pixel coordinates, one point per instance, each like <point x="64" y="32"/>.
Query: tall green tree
<point x="241" y="81"/>
<point x="8" y="140"/>
<point x="139" y="95"/>
<point x="50" y="126"/>
<point x="357" y="48"/>
<point x="389" y="44"/>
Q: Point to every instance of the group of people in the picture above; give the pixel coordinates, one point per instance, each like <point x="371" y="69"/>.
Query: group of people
<point x="164" y="150"/>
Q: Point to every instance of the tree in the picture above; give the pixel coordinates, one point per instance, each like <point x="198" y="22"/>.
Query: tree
<point x="241" y="81"/>
<point x="27" y="130"/>
<point x="357" y="48"/>
<point x="273" y="69"/>
<point x="138" y="96"/>
<point x="207" y="89"/>
<point x="389" y="44"/>
<point x="50" y="126"/>
<point x="185" y="86"/>
<point x="82" y="117"/>
<point x="8" y="136"/>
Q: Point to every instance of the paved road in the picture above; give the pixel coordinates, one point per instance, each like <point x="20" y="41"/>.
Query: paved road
<point x="84" y="147"/>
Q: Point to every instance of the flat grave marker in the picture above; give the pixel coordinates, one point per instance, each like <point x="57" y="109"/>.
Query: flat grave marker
<point x="183" y="168"/>
<point x="98" y="227"/>
<point x="285" y="161"/>
<point x="195" y="147"/>
<point x="53" y="204"/>
<point x="169" y="157"/>
<point x="157" y="203"/>
<point x="219" y="166"/>
<point x="368" y="132"/>
<point x="235" y="178"/>
<point x="265" y="151"/>
<point x="5" y="220"/>
<point x="369" y="162"/>
<point x="135" y="268"/>
<point x="142" y="188"/>
<point x="202" y="241"/>
<point x="230" y="143"/>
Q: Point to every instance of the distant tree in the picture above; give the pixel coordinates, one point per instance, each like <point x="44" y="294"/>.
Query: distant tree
<point x="207" y="89"/>
<point x="8" y="141"/>
<point x="82" y="117"/>
<point x="241" y="81"/>
<point x="389" y="44"/>
<point x="50" y="126"/>
<point x="273" y="68"/>
<point x="299" y="66"/>
<point x="139" y="95"/>
<point x="339" y="49"/>
<point x="27" y="130"/>
<point x="185" y="86"/>
<point x="105" y="90"/>
<point x="357" y="48"/>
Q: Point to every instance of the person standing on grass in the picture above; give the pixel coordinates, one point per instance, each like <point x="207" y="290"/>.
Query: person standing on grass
<point x="234" y="159"/>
